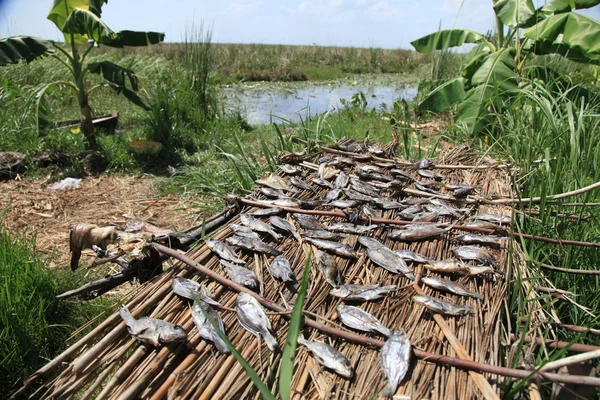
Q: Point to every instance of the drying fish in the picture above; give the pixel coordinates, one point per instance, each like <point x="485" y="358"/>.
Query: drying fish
<point x="474" y="253"/>
<point x="344" y="203"/>
<point x="338" y="248"/>
<point x="441" y="306"/>
<point x="275" y="182"/>
<point x="354" y="195"/>
<point x="345" y="227"/>
<point x="282" y="202"/>
<point x="402" y="175"/>
<point x="332" y="195"/>
<point x="152" y="330"/>
<point x="374" y="176"/>
<point x="290" y="169"/>
<point x="413" y="256"/>
<point x="448" y="209"/>
<point x="486" y="240"/>
<point x="254" y="319"/>
<point x="369" y="242"/>
<point x="431" y="216"/>
<point x="352" y="147"/>
<point x="223" y="251"/>
<point x="375" y="150"/>
<point x="395" y="360"/>
<point x="322" y="183"/>
<point x="495" y="218"/>
<point x="362" y="292"/>
<point x="284" y="225"/>
<point x="410" y="212"/>
<point x="281" y="269"/>
<point x="258" y="225"/>
<point x="460" y="190"/>
<point x="426" y="173"/>
<point x="265" y="212"/>
<point x="252" y="245"/>
<point x="417" y="232"/>
<point x="482" y="224"/>
<point x="384" y="164"/>
<point x="425" y="187"/>
<point x="244" y="231"/>
<point x="387" y="204"/>
<point x="364" y="188"/>
<point x="449" y="286"/>
<point x="327" y="172"/>
<point x="341" y="161"/>
<point x="424" y="164"/>
<point x="325" y="159"/>
<point x="206" y="329"/>
<point x="341" y="181"/>
<point x="361" y="320"/>
<point x="453" y="265"/>
<point x="188" y="289"/>
<point x="395" y="184"/>
<point x="240" y="275"/>
<point x="328" y="357"/>
<point x="308" y="222"/>
<point x="371" y="168"/>
<point x="386" y="258"/>
<point x="371" y="212"/>
<point x="329" y="268"/>
<point x="299" y="183"/>
<point x="272" y="193"/>
<point x="322" y="234"/>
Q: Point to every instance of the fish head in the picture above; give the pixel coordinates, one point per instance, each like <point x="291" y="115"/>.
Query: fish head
<point x="172" y="333"/>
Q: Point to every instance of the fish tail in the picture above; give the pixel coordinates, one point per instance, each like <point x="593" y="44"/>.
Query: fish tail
<point x="221" y="346"/>
<point x="477" y="296"/>
<point x="126" y="315"/>
<point x="271" y="341"/>
<point x="301" y="340"/>
<point x="388" y="391"/>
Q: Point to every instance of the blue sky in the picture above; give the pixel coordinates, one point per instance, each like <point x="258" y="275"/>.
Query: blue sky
<point x="360" y="23"/>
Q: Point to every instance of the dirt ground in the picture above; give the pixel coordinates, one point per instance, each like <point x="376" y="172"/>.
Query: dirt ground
<point x="101" y="200"/>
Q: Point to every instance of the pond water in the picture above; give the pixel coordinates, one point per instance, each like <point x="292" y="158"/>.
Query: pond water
<point x="257" y="103"/>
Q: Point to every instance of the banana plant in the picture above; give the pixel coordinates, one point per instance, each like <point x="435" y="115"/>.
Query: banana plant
<point x="83" y="29"/>
<point x="493" y="68"/>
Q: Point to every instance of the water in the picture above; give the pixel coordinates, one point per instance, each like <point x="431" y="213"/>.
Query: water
<point x="258" y="103"/>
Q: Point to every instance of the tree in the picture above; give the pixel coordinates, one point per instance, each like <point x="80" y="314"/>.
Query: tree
<point x="492" y="70"/>
<point x="79" y="21"/>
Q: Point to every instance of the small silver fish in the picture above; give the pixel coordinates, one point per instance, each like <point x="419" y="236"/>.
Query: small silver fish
<point x="341" y="181"/>
<point x="425" y="173"/>
<point x="299" y="183"/>
<point x="402" y="175"/>
<point x="341" y="161"/>
<point x="329" y="268"/>
<point x="387" y="204"/>
<point x="362" y="292"/>
<point x="258" y="225"/>
<point x="417" y="232"/>
<point x="460" y="190"/>
<point x="188" y="288"/>
<point x="308" y="222"/>
<point x="384" y="164"/>
<point x="253" y="318"/>
<point x="474" y="253"/>
<point x="328" y="357"/>
<point x="413" y="256"/>
<point x="275" y="182"/>
<point x="371" y="212"/>
<point x="482" y="224"/>
<point x="449" y="286"/>
<point x="410" y="212"/>
<point x="252" y="245"/>
<point x="290" y="169"/>
<point x="432" y="216"/>
<point x="326" y="172"/>
<point x="265" y="212"/>
<point x="244" y="231"/>
<point x="441" y="306"/>
<point x="495" y="218"/>
<point x="375" y="150"/>
<point x="364" y="188"/>
<point x="387" y="259"/>
<point x="453" y="265"/>
<point x="354" y="195"/>
<point x="332" y="195"/>
<point x="395" y="360"/>
<point x="206" y="330"/>
<point x="283" y="202"/>
<point x="345" y="227"/>
<point x="322" y="183"/>
<point x="272" y="193"/>
<point x="338" y="248"/>
<point x="486" y="240"/>
<point x="152" y="330"/>
<point x="240" y="275"/>
<point x="284" y="225"/>
<point x="223" y="251"/>
<point x="374" y="176"/>
<point x="424" y="164"/>
<point x="371" y="168"/>
<point x="281" y="269"/>
<point x="344" y="203"/>
<point x="426" y="187"/>
<point x="322" y="234"/>
<point x="361" y="320"/>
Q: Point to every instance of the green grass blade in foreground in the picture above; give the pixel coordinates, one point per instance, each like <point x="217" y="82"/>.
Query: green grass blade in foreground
<point x="264" y="389"/>
<point x="289" y="351"/>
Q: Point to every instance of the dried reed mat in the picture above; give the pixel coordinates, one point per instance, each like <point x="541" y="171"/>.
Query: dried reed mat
<point x="107" y="363"/>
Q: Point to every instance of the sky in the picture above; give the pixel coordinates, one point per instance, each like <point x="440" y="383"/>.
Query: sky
<point x="358" y="23"/>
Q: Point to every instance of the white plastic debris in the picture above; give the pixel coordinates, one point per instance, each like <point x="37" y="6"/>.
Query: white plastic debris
<point x="66" y="184"/>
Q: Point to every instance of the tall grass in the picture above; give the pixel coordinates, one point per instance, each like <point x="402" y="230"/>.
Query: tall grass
<point x="34" y="325"/>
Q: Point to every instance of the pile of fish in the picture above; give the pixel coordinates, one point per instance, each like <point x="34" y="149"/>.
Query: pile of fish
<point x="364" y="187"/>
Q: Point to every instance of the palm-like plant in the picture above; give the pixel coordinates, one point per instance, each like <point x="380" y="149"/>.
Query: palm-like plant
<point x="79" y="21"/>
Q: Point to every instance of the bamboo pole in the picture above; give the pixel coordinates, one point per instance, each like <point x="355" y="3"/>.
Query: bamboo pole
<point x="568" y="270"/>
<point x="575" y="359"/>
<point x="366" y="341"/>
<point x="556" y="344"/>
<point x="576" y="328"/>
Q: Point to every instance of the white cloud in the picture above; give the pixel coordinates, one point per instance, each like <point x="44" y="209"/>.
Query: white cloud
<point x="383" y="11"/>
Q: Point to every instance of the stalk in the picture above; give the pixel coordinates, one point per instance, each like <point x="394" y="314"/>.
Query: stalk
<point x="87" y="128"/>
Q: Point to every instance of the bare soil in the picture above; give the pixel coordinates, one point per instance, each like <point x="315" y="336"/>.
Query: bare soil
<point x="102" y="200"/>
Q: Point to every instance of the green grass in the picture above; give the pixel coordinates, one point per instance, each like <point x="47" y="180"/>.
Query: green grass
<point x="34" y="325"/>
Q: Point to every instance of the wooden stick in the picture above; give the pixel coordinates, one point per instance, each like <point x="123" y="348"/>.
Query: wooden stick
<point x="568" y="270"/>
<point x="577" y="358"/>
<point x="575" y="328"/>
<point x="556" y="344"/>
<point x="367" y="341"/>
<point x="551" y="197"/>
